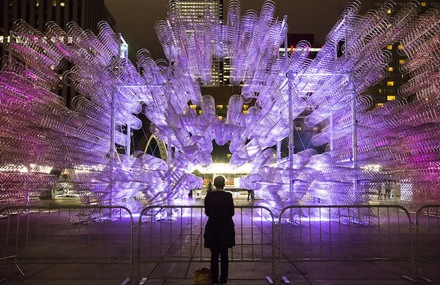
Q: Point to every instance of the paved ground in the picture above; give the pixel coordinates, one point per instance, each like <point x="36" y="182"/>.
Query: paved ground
<point x="301" y="273"/>
<point x="101" y="252"/>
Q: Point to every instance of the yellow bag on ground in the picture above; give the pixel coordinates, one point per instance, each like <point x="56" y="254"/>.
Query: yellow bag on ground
<point x="202" y="276"/>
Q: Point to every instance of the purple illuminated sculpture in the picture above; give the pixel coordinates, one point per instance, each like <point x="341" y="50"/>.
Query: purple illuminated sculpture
<point x="365" y="145"/>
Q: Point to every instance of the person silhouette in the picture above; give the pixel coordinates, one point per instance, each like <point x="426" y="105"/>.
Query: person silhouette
<point x="250" y="195"/>
<point x="220" y="229"/>
<point x="209" y="188"/>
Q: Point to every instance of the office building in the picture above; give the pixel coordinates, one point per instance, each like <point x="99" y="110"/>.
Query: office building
<point x="387" y="89"/>
<point x="37" y="13"/>
<point x="190" y="14"/>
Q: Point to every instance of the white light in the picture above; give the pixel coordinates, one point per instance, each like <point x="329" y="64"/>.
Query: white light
<point x="123" y="52"/>
<point x="40" y="168"/>
<point x="13" y="168"/>
<point x="236" y="182"/>
<point x="223" y="168"/>
<point x="302" y="49"/>
<point x="88" y="168"/>
<point x="372" y="167"/>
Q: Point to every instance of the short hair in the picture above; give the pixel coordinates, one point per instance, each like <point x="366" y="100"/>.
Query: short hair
<point x="219" y="182"/>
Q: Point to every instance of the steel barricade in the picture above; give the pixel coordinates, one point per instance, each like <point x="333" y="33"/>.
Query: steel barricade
<point x="428" y="240"/>
<point x="88" y="236"/>
<point x="173" y="234"/>
<point x="345" y="233"/>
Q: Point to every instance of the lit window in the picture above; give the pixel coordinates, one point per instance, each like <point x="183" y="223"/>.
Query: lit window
<point x="379" y="90"/>
<point x="219" y="106"/>
<point x="389" y="47"/>
<point x="391" y="97"/>
<point x="389" y="11"/>
<point x="423" y="4"/>
<point x="390" y="83"/>
<point x="228" y="155"/>
<point x="245" y="111"/>
<point x="401" y="61"/>
<point x="192" y="106"/>
<point x="379" y="105"/>
<point x="220" y="118"/>
<point x="299" y="128"/>
<point x="400" y="47"/>
<point x="245" y="106"/>
<point x="200" y="112"/>
<point x="390" y="68"/>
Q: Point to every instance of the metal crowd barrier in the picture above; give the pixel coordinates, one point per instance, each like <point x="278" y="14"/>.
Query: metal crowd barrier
<point x="172" y="234"/>
<point x="428" y="239"/>
<point x="80" y="235"/>
<point x="97" y="235"/>
<point x="345" y="233"/>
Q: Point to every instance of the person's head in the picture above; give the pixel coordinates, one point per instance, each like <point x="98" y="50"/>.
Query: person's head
<point x="219" y="182"/>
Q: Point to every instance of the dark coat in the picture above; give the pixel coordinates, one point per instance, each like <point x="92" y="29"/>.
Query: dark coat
<point x="219" y="230"/>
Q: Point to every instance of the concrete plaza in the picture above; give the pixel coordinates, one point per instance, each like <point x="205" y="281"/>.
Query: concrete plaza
<point x="162" y="250"/>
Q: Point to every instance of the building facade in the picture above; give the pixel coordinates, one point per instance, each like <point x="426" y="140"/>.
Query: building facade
<point x="87" y="14"/>
<point x="387" y="89"/>
<point x="192" y="11"/>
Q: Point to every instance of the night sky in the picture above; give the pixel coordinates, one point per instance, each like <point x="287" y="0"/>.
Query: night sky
<point x="136" y="18"/>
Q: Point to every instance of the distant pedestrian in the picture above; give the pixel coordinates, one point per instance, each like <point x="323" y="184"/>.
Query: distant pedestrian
<point x="388" y="189"/>
<point x="379" y="192"/>
<point x="220" y="229"/>
<point x="209" y="188"/>
<point x="250" y="195"/>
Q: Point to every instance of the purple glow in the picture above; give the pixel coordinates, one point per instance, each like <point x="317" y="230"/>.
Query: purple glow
<point x="401" y="137"/>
